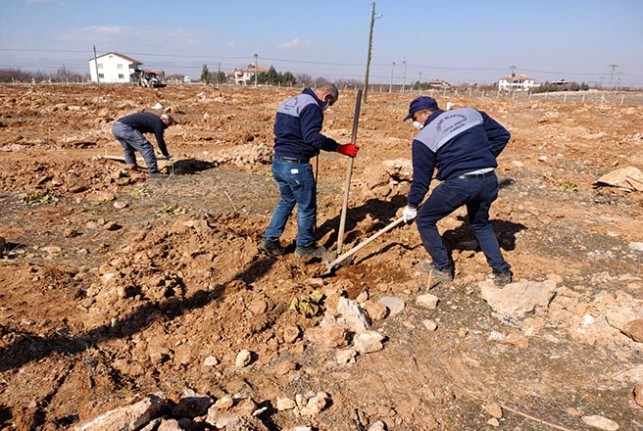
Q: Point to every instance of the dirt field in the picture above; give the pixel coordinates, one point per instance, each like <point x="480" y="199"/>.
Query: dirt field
<point x="115" y="287"/>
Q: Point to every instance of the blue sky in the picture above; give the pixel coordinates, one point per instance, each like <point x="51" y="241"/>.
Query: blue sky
<point x="458" y="41"/>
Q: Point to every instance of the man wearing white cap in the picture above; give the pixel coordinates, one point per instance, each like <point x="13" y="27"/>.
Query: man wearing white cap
<point x="462" y="145"/>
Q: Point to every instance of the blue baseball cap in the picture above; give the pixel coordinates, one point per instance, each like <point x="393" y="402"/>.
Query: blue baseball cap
<point x="421" y="103"/>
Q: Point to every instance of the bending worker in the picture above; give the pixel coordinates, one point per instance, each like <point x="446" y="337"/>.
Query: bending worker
<point x="298" y="138"/>
<point x="129" y="131"/>
<point x="462" y="145"/>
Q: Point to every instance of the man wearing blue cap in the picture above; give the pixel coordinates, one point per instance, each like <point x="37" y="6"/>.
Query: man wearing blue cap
<point x="462" y="145"/>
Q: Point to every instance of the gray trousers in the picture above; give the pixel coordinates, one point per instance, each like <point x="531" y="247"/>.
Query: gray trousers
<point x="131" y="139"/>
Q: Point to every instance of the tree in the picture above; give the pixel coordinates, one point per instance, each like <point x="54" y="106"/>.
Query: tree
<point x="205" y="74"/>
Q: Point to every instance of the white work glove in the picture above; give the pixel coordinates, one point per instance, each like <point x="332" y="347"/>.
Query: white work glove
<point x="409" y="213"/>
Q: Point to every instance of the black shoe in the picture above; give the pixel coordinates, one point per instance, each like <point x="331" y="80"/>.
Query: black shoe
<point x="444" y="274"/>
<point x="503" y="278"/>
<point x="310" y="250"/>
<point x="272" y="247"/>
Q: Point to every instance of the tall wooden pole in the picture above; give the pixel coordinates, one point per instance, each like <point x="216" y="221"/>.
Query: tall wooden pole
<point x="370" y="47"/>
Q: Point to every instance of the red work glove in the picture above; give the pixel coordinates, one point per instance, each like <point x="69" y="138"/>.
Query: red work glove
<point x="349" y="150"/>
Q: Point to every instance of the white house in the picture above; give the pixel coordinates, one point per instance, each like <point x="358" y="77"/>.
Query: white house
<point x="113" y="68"/>
<point x="516" y="82"/>
<point x="246" y="75"/>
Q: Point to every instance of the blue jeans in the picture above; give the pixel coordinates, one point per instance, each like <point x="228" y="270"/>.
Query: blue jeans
<point x="477" y="194"/>
<point x="131" y="139"/>
<point x="296" y="183"/>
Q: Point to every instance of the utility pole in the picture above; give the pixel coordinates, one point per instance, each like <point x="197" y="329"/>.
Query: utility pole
<point x="370" y="47"/>
<point x="218" y="72"/>
<point x="256" y="74"/>
<point x="420" y="82"/>
<point x="404" y="77"/>
<point x="96" y="65"/>
<point x="613" y="67"/>
<point x="390" y="87"/>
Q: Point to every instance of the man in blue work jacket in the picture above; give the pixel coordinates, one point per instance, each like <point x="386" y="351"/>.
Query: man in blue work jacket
<point x="462" y="145"/>
<point x="298" y="138"/>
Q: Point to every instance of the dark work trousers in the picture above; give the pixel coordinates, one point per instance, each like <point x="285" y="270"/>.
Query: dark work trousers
<point x="477" y="194"/>
<point x="131" y="139"/>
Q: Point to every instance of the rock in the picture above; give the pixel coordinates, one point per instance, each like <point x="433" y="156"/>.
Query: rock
<point x="638" y="394"/>
<point x="430" y="325"/>
<point x="493" y="422"/>
<point x="224" y="403"/>
<point x="211" y="361"/>
<point x="316" y="404"/>
<point x="183" y="355"/>
<point x="395" y="305"/>
<point x="284" y="367"/>
<point x="399" y="169"/>
<point x="243" y="359"/>
<point x="291" y="333"/>
<point x="362" y="297"/>
<point x="353" y="316"/>
<point x="377" y="426"/>
<point x="600" y="422"/>
<point x="127" y="418"/>
<point x="375" y="310"/>
<point x="493" y="409"/>
<point x="427" y="301"/>
<point x="258" y="306"/>
<point x="518" y="340"/>
<point x="169" y="425"/>
<point x="368" y="342"/>
<point x="112" y="226"/>
<point x="70" y="233"/>
<point x="285" y="404"/>
<point x="119" y="205"/>
<point x="192" y="405"/>
<point x="330" y="337"/>
<point x="634" y="330"/>
<point x="346" y="356"/>
<point x="629" y="178"/>
<point x="515" y="300"/>
<point x="247" y="407"/>
<point x="636" y="246"/>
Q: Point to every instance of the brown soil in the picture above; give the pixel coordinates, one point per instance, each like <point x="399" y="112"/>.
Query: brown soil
<point x="101" y="306"/>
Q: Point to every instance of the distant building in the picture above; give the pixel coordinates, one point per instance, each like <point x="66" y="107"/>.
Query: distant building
<point x="516" y="82"/>
<point x="246" y="75"/>
<point x="438" y="83"/>
<point x="113" y="68"/>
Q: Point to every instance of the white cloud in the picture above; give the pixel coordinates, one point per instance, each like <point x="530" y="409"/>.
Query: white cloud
<point x="95" y="33"/>
<point x="123" y="38"/>
<point x="38" y="1"/>
<point x="294" y="44"/>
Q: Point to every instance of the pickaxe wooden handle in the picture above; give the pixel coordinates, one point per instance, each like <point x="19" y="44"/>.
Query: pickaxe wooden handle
<point x="361" y="245"/>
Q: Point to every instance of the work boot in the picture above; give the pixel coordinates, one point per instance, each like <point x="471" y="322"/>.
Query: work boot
<point x="310" y="250"/>
<point x="503" y="278"/>
<point x="159" y="176"/>
<point x="272" y="247"/>
<point x="444" y="275"/>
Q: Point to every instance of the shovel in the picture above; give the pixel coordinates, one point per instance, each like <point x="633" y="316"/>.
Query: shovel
<point x="331" y="266"/>
<point x="349" y="173"/>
